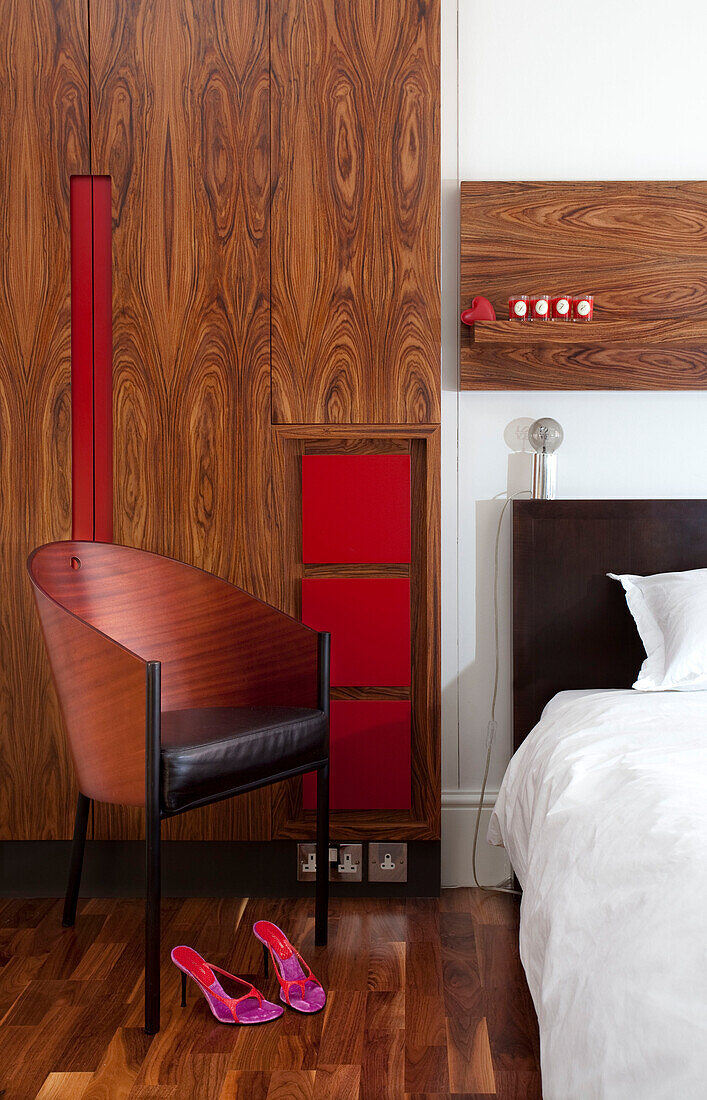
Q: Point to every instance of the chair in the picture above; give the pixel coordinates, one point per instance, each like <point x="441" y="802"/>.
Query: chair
<point x="177" y="690"/>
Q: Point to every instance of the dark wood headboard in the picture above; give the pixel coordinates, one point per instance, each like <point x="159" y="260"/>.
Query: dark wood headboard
<point x="571" y="625"/>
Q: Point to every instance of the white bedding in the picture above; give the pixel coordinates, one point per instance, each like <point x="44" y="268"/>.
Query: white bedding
<point x="603" y="812"/>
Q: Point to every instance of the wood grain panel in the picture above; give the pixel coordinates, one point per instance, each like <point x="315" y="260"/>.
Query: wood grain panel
<point x="43" y="141"/>
<point x="639" y="247"/>
<point x="180" y="120"/>
<point x="357" y="446"/>
<point x="634" y="221"/>
<point x="425" y="631"/>
<point x="355" y="280"/>
<point x="355" y="570"/>
<point x="602" y="367"/>
<point x="375" y="693"/>
<point x="670" y="333"/>
<point x="367" y="436"/>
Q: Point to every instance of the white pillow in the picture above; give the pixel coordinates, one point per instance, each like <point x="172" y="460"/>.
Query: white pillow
<point x="670" y="610"/>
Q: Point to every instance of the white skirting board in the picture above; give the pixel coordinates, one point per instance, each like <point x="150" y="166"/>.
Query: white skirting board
<point x="458" y="820"/>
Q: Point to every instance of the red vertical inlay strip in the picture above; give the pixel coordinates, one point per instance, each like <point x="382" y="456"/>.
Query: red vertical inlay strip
<point x="81" y="358"/>
<point x="102" y="361"/>
<point x="91" y="359"/>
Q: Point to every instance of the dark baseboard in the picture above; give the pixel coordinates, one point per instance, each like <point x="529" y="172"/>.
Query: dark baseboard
<point x="39" y="869"/>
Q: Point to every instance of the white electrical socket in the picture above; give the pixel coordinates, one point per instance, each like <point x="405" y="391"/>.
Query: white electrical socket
<point x="387" y="862"/>
<point x="348" y="865"/>
<point x="306" y="862"/>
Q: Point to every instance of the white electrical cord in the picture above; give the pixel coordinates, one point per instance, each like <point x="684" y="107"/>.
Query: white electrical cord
<point x="501" y="887"/>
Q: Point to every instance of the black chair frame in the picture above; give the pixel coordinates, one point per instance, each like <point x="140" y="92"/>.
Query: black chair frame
<point x="155" y="814"/>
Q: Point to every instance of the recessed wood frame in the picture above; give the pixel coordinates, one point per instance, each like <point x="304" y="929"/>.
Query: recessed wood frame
<point x="639" y="247"/>
<point x="422" y="442"/>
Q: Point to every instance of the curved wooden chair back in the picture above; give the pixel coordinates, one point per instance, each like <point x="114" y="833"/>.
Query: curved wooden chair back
<point x="107" y="610"/>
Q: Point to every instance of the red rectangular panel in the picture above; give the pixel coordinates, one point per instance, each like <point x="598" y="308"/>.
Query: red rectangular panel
<point x="370" y="757"/>
<point x="102" y="360"/>
<point x="369" y="622"/>
<point x="81" y="358"/>
<point x="356" y="508"/>
<point x="91" y="358"/>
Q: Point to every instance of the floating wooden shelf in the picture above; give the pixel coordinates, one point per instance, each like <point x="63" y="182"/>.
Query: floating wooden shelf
<point x="669" y="333"/>
<point x="593" y="355"/>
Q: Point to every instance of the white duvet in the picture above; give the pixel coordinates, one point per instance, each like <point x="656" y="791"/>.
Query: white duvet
<point x="603" y="812"/>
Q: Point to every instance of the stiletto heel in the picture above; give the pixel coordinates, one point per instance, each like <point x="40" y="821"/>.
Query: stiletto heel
<point x="184" y="990"/>
<point x="250" y="1008"/>
<point x="299" y="988"/>
<point x="266" y="959"/>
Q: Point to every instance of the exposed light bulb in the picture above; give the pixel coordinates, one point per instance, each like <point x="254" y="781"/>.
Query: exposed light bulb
<point x="545" y="436"/>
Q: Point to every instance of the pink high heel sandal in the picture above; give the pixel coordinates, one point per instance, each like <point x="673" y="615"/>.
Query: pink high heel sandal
<point x="251" y="1008"/>
<point x="300" y="991"/>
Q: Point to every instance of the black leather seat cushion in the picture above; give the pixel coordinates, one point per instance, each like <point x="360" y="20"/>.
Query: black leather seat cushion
<point x="216" y="751"/>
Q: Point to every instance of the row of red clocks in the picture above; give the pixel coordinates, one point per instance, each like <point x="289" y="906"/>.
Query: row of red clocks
<point x="539" y="307"/>
<point x="542" y="307"/>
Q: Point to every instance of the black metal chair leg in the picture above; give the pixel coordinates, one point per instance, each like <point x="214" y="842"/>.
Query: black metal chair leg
<point x="77" y="849"/>
<point x="152" y="845"/>
<point x="321" y="908"/>
<point x="152" y="929"/>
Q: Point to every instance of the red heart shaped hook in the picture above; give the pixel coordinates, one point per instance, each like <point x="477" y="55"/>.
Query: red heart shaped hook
<point x="481" y="310"/>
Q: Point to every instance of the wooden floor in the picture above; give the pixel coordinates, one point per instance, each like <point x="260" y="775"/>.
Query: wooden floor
<point x="426" y="998"/>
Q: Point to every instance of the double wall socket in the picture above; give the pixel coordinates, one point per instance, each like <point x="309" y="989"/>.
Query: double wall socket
<point x="345" y="862"/>
<point x="387" y="862"/>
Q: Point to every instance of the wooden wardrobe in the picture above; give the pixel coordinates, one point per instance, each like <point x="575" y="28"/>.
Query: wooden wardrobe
<point x="274" y="169"/>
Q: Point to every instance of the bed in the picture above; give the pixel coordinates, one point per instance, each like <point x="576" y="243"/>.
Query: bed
<point x="603" y="809"/>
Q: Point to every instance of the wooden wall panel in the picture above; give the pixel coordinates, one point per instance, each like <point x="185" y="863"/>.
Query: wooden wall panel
<point x="639" y="247"/>
<point x="184" y="104"/>
<point x="43" y="141"/>
<point x="426" y="631"/>
<point x="355" y="218"/>
<point x="180" y="120"/>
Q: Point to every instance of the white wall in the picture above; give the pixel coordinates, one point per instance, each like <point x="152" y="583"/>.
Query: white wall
<point x="631" y="75"/>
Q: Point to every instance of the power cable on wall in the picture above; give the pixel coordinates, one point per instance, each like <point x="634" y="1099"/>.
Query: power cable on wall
<point x="501" y="887"/>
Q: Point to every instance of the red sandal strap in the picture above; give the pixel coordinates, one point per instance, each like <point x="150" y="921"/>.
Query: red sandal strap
<point x="309" y="977"/>
<point x="233" y="1002"/>
<point x="235" y="978"/>
<point x="295" y="981"/>
<point x="285" y="982"/>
